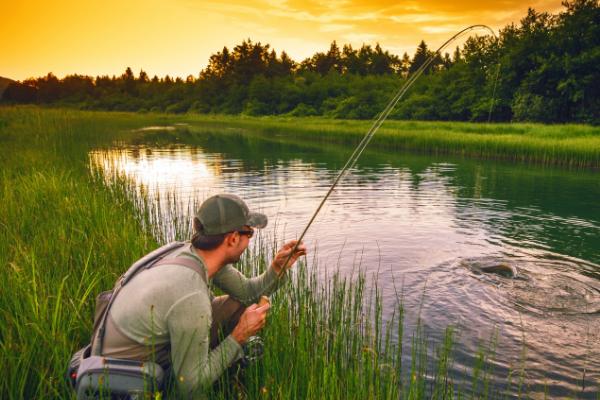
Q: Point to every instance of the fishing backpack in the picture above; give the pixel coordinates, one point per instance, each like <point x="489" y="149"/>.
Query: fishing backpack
<point x="91" y="374"/>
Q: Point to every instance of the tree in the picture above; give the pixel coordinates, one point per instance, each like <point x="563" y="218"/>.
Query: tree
<point x="323" y="63"/>
<point x="349" y="60"/>
<point x="447" y="61"/>
<point x="405" y="64"/>
<point x="76" y="87"/>
<point x="287" y="64"/>
<point x="456" y="57"/>
<point x="382" y="62"/>
<point x="48" y="88"/>
<point x="365" y="55"/>
<point x="128" y="80"/>
<point x="578" y="37"/>
<point x="143" y="77"/>
<point x="218" y="65"/>
<point x="421" y="56"/>
<point x="19" y="92"/>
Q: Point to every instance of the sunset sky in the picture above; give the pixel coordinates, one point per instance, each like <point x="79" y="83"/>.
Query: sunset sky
<point x="176" y="37"/>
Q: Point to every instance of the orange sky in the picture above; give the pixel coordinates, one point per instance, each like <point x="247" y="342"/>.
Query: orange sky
<point x="176" y="37"/>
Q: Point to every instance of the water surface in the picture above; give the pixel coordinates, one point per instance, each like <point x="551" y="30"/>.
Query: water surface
<point x="425" y="224"/>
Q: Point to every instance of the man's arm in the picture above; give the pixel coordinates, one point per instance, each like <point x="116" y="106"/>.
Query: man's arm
<point x="249" y="290"/>
<point x="195" y="366"/>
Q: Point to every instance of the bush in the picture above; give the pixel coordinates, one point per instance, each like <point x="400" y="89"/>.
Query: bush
<point x="532" y="107"/>
<point x="304" y="110"/>
<point x="178" y="108"/>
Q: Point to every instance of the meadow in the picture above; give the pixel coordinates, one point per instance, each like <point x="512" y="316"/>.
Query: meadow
<point x="67" y="233"/>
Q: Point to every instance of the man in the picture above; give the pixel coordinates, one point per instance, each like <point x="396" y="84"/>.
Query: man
<point x="167" y="313"/>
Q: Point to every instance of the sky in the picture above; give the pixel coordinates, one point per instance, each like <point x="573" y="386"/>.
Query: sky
<point x="176" y="37"/>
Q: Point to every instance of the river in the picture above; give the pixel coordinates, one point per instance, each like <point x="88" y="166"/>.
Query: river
<point x="429" y="225"/>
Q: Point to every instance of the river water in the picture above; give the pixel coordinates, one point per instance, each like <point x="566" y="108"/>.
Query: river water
<point x="430" y="225"/>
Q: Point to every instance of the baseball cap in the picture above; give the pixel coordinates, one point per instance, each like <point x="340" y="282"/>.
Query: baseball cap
<point x="224" y="213"/>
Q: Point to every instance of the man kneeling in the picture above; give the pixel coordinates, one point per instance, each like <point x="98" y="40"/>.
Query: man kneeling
<point x="168" y="315"/>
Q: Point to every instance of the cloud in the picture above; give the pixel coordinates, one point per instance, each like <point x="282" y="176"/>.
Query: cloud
<point x="360" y="37"/>
<point x="436" y="29"/>
<point x="421" y="18"/>
<point x="336" y="27"/>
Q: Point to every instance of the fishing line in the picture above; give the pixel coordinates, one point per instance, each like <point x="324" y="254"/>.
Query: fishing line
<point x="494" y="92"/>
<point x="381" y="118"/>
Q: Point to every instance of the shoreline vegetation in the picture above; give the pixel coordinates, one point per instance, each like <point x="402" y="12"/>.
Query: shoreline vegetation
<point x="570" y="145"/>
<point x="67" y="233"/>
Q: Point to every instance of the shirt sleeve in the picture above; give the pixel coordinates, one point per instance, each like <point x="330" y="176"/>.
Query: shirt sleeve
<point x="247" y="290"/>
<point x="195" y="366"/>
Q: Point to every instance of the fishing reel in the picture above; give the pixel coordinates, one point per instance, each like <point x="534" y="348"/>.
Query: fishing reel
<point x="254" y="349"/>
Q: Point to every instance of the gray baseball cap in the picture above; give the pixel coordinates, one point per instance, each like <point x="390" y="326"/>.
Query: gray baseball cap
<point x="226" y="213"/>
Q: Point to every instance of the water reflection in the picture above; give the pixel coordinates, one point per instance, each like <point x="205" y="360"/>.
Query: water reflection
<point x="416" y="220"/>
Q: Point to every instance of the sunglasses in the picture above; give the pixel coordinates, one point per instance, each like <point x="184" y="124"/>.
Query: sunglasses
<point x="249" y="233"/>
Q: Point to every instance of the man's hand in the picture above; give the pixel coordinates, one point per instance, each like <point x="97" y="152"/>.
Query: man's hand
<point x="252" y="320"/>
<point x="282" y="256"/>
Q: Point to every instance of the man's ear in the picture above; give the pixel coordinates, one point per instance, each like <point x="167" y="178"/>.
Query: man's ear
<point x="231" y="239"/>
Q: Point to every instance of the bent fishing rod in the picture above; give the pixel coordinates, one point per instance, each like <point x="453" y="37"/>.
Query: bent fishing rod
<point x="381" y="119"/>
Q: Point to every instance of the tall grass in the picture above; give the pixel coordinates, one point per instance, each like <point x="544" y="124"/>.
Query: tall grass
<point x="66" y="233"/>
<point x="574" y="146"/>
<point x="63" y="237"/>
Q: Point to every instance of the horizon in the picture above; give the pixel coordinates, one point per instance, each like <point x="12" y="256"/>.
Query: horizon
<point x="176" y="38"/>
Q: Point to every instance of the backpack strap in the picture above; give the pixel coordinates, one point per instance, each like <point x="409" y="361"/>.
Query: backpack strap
<point x="149" y="260"/>
<point x="143" y="263"/>
<point x="184" y="262"/>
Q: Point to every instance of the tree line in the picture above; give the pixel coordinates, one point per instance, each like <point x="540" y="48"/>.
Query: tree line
<point x="544" y="69"/>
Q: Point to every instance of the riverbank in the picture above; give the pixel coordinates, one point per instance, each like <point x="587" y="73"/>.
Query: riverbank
<point x="572" y="146"/>
<point x="567" y="145"/>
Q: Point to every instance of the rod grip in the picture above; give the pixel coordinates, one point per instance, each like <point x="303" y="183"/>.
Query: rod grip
<point x="263" y="300"/>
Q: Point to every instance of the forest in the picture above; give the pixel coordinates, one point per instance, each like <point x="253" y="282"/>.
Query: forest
<point x="544" y="69"/>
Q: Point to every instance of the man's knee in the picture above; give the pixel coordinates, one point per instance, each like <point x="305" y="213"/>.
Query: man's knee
<point x="226" y="313"/>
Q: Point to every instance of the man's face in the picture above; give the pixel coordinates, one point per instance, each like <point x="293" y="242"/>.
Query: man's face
<point x="239" y="242"/>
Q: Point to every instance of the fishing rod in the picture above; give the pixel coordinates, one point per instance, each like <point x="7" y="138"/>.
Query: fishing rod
<point x="381" y="119"/>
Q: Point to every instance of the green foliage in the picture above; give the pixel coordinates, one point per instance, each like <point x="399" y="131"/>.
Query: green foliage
<point x="421" y="56"/>
<point x="304" y="110"/>
<point x="531" y="107"/>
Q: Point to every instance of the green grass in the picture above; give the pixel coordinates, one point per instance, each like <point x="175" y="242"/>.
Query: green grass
<point x="573" y="146"/>
<point x="63" y="238"/>
<point x="66" y="234"/>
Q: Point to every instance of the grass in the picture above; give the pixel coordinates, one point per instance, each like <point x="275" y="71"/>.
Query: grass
<point x="573" y="146"/>
<point x="66" y="233"/>
<point x="63" y="238"/>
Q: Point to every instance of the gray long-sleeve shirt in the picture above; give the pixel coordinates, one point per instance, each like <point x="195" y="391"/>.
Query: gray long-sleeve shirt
<point x="166" y="310"/>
